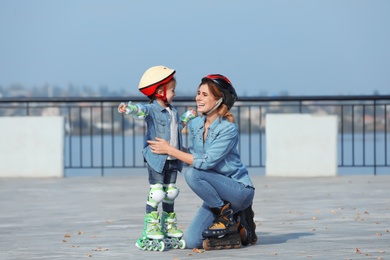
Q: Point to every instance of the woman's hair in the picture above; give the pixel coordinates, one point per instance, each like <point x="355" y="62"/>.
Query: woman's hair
<point x="153" y="97"/>
<point x="223" y="110"/>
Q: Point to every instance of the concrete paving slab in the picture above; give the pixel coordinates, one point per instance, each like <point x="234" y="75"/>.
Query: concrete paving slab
<point x="344" y="217"/>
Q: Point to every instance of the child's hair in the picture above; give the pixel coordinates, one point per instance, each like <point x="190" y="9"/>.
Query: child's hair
<point x="223" y="110"/>
<point x="153" y="97"/>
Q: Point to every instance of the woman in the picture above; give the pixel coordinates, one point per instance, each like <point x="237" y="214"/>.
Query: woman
<point x="217" y="174"/>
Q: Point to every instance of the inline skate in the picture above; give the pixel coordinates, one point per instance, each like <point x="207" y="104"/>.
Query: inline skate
<point x="247" y="226"/>
<point x="152" y="237"/>
<point x="223" y="233"/>
<point x="172" y="235"/>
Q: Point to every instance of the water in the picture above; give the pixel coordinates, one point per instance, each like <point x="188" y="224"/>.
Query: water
<point x="85" y="155"/>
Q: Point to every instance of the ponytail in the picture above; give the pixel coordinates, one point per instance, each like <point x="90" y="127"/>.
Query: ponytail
<point x="224" y="112"/>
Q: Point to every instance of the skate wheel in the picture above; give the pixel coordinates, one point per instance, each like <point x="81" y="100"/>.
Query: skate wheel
<point x="156" y="245"/>
<point x="167" y="243"/>
<point x="162" y="246"/>
<point x="150" y="246"/>
<point x="182" y="244"/>
<point x="206" y="244"/>
<point x="141" y="244"/>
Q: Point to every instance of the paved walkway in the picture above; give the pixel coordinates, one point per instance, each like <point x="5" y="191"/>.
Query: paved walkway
<point x="344" y="217"/>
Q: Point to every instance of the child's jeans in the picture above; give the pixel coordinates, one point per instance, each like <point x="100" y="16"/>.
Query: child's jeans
<point x="168" y="176"/>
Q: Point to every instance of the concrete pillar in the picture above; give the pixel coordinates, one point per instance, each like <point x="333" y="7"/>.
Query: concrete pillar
<point x="301" y="145"/>
<point x="31" y="146"/>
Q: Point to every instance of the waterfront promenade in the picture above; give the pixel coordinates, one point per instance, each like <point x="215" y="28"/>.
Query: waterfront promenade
<point x="346" y="217"/>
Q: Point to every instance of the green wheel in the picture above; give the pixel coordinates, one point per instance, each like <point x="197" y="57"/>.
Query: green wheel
<point x="182" y="244"/>
<point x="149" y="247"/>
<point x="162" y="246"/>
<point x="141" y="244"/>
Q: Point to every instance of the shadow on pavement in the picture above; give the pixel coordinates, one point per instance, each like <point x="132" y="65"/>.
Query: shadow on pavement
<point x="281" y="238"/>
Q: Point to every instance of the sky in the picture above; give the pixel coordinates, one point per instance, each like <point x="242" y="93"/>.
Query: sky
<point x="265" y="47"/>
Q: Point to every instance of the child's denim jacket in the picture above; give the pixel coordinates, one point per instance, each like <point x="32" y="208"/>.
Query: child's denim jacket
<point x="158" y="125"/>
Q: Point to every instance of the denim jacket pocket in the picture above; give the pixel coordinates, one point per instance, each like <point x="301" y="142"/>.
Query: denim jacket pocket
<point x="161" y="125"/>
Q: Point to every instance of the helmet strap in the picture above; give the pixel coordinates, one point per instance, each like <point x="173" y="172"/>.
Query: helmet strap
<point x="162" y="97"/>
<point x="215" y="107"/>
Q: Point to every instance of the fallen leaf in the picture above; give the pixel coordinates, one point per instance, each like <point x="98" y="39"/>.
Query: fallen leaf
<point x="80" y="233"/>
<point x="67" y="235"/>
<point x="64" y="241"/>
<point x="197" y="250"/>
<point x="378" y="234"/>
<point x="100" y="249"/>
<point x="358" y="251"/>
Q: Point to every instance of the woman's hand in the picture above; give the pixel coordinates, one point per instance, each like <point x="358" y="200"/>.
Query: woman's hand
<point x="160" y="146"/>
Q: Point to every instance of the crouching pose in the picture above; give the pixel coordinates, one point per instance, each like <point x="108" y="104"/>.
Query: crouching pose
<point x="162" y="120"/>
<point x="216" y="175"/>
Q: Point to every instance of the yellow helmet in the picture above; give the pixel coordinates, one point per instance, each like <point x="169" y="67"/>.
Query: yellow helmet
<point x="153" y="78"/>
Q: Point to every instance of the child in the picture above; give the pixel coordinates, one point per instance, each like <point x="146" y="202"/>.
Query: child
<point x="162" y="120"/>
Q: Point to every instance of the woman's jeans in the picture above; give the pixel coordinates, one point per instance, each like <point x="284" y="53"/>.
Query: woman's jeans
<point x="214" y="189"/>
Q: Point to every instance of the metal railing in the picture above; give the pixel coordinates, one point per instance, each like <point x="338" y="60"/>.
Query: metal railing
<point x="99" y="138"/>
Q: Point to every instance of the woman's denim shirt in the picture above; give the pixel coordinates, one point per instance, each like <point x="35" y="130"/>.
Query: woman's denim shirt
<point x="218" y="153"/>
<point x="158" y="123"/>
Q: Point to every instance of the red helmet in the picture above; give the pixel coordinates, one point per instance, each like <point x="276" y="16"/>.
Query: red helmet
<point x="229" y="95"/>
<point x="153" y="78"/>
